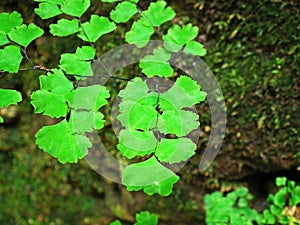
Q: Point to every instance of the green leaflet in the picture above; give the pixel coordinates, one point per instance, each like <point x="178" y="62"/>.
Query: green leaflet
<point x="85" y="53"/>
<point x="143" y="123"/>
<point x="75" y="7"/>
<point x="49" y="103"/>
<point x="60" y="141"/>
<point x="157" y="64"/>
<point x="96" y="98"/>
<point x="123" y="12"/>
<point x="55" y="92"/>
<point x="64" y="27"/>
<point x="98" y="26"/>
<point x="150" y="176"/>
<point x="9" y="97"/>
<point x="47" y="10"/>
<point x="157" y="14"/>
<point x="23" y="35"/>
<point x="10" y="59"/>
<point x="178" y="36"/>
<point x="73" y="64"/>
<point x="116" y="222"/>
<point x="195" y="48"/>
<point x="66" y="140"/>
<point x="9" y="21"/>
<point x="187" y="93"/>
<point x="3" y="38"/>
<point x="175" y="150"/>
<point x="56" y="82"/>
<point x="146" y="218"/>
<point x="138" y="140"/>
<point x="1" y="119"/>
<point x="139" y="33"/>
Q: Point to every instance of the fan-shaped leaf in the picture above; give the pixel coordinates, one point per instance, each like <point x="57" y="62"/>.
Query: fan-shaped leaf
<point x="97" y="27"/>
<point x="146" y="218"/>
<point x="9" y="21"/>
<point x="3" y="38"/>
<point x="177" y="36"/>
<point x="23" y="35"/>
<point x="47" y="10"/>
<point x="157" y="14"/>
<point x="56" y="82"/>
<point x="139" y="33"/>
<point x="195" y="48"/>
<point x="61" y="142"/>
<point x="175" y="150"/>
<point x="49" y="103"/>
<point x="75" y="7"/>
<point x="64" y="27"/>
<point x="123" y="12"/>
<point x="187" y="93"/>
<point x="157" y="64"/>
<point x="72" y="65"/>
<point x="150" y="176"/>
<point x="85" y="53"/>
<point x="9" y="97"/>
<point x="10" y="59"/>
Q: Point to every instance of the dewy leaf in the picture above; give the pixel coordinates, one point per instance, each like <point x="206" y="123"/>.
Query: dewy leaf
<point x="179" y="122"/>
<point x="10" y="59"/>
<point x="85" y="53"/>
<point x="47" y="10"/>
<point x="177" y="36"/>
<point x="184" y="93"/>
<point x="9" y="97"/>
<point x="60" y="142"/>
<point x="75" y="7"/>
<point x="146" y="218"/>
<point x="139" y="33"/>
<point x="64" y="27"/>
<point x="157" y="64"/>
<point x="123" y="12"/>
<point x="195" y="48"/>
<point x="98" y="26"/>
<point x="9" y="21"/>
<point x="72" y="65"/>
<point x="175" y="150"/>
<point x="23" y="35"/>
<point x="3" y="38"/>
<point x="157" y="14"/>
<point x="150" y="176"/>
<point x="137" y="140"/>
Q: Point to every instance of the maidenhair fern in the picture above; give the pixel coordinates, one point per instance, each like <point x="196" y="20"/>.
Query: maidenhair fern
<point x="149" y="116"/>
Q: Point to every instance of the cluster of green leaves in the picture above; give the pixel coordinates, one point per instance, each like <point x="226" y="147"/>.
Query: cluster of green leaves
<point x="141" y="119"/>
<point x="234" y="208"/>
<point x="142" y="218"/>
<point x="144" y="113"/>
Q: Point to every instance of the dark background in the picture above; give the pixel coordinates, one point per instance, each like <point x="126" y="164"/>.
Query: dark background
<point x="254" y="51"/>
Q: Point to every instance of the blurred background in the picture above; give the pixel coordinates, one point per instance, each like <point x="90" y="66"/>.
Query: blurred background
<point x="254" y="51"/>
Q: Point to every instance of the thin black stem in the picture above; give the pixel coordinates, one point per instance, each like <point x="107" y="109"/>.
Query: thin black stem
<point x="26" y="56"/>
<point x="110" y="75"/>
